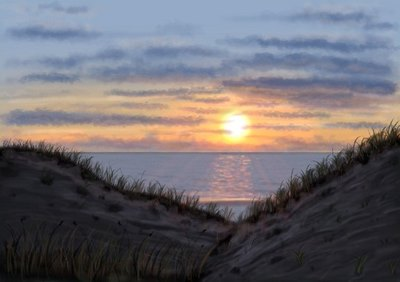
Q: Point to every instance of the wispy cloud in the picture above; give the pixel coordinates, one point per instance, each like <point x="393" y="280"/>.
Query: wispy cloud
<point x="299" y="114"/>
<point x="111" y="54"/>
<point x="187" y="94"/>
<point x="176" y="51"/>
<point x="143" y="106"/>
<point x="57" y="7"/>
<point x="329" y="64"/>
<point x="318" y="143"/>
<point x="355" y="17"/>
<point x="202" y="111"/>
<point x="339" y="45"/>
<point x="165" y="92"/>
<point x="136" y="72"/>
<point x="355" y="125"/>
<point x="149" y="143"/>
<point x="42" y="32"/>
<point x="208" y="100"/>
<point x="52" y="77"/>
<point x="371" y="86"/>
<point x="333" y="100"/>
<point x="283" y="127"/>
<point x="366" y="20"/>
<point x="47" y="117"/>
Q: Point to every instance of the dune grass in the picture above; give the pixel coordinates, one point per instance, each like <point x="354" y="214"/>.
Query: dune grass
<point x="49" y="252"/>
<point x="332" y="166"/>
<point x="112" y="180"/>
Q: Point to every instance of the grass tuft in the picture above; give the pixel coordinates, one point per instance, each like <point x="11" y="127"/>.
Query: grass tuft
<point x="299" y="254"/>
<point x="52" y="253"/>
<point x="393" y="267"/>
<point x="360" y="264"/>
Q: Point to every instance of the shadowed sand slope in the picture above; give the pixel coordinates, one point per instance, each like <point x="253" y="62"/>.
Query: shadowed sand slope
<point x="347" y="230"/>
<point x="41" y="198"/>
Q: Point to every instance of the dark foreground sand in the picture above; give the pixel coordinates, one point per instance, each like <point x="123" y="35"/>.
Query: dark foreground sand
<point x="324" y="237"/>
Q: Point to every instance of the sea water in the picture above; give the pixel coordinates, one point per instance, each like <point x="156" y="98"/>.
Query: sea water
<point x="230" y="179"/>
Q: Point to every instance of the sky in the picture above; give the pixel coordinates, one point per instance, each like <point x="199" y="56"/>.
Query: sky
<point x="170" y="75"/>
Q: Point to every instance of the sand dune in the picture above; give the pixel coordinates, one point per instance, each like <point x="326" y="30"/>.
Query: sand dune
<point x="348" y="229"/>
<point x="327" y="235"/>
<point x="28" y="203"/>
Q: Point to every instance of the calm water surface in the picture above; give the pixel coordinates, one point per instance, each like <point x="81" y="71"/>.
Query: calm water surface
<point x="233" y="179"/>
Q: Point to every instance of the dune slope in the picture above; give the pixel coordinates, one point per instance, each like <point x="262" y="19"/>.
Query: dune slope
<point x="347" y="230"/>
<point x="39" y="197"/>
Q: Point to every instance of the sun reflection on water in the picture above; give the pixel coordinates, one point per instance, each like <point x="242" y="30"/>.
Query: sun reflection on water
<point x="230" y="179"/>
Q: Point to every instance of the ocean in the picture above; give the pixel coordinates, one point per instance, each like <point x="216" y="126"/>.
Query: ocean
<point x="230" y="179"/>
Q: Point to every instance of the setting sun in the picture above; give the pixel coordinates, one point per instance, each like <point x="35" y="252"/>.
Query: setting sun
<point x="236" y="126"/>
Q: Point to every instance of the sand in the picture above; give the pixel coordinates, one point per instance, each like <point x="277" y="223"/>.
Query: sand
<point x="322" y="237"/>
<point x="26" y="204"/>
<point x="350" y="218"/>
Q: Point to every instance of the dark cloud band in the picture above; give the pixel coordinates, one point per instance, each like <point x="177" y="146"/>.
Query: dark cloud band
<point x="355" y="125"/>
<point x="53" y="77"/>
<point x="41" y="32"/>
<point x="344" y="46"/>
<point x="329" y="64"/>
<point x="371" y="86"/>
<point x="47" y="117"/>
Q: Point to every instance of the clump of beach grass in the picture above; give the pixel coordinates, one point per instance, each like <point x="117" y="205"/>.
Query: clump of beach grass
<point x="112" y="180"/>
<point x="50" y="252"/>
<point x="332" y="166"/>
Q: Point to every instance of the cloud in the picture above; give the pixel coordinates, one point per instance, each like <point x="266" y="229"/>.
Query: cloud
<point x="149" y="143"/>
<point x="53" y="77"/>
<point x="340" y="45"/>
<point x="42" y="32"/>
<point x="136" y="72"/>
<point x="318" y="143"/>
<point x="329" y="64"/>
<point x="370" y="86"/>
<point x="143" y="106"/>
<point x="334" y="100"/>
<point x="209" y="100"/>
<point x="177" y="28"/>
<point x="46" y="117"/>
<point x="187" y="94"/>
<point x="111" y="54"/>
<point x="289" y="127"/>
<point x="355" y="125"/>
<point x="380" y="25"/>
<point x="362" y="18"/>
<point x="174" y="92"/>
<point x="292" y="115"/>
<point x="202" y="111"/>
<point x="57" y="7"/>
<point x="176" y="51"/>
